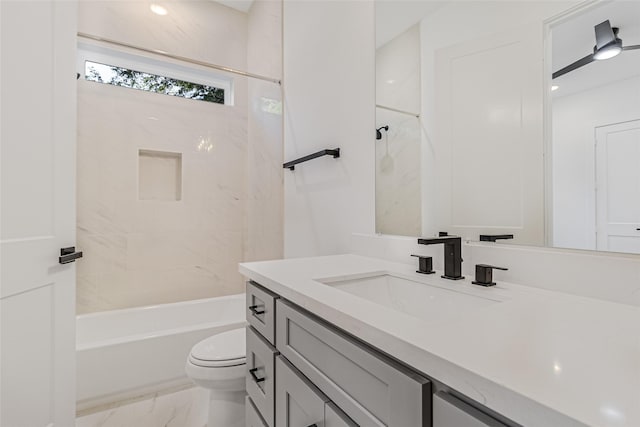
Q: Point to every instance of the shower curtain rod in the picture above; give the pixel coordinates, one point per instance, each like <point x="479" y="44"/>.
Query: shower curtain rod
<point x="180" y="58"/>
<point x="398" y="111"/>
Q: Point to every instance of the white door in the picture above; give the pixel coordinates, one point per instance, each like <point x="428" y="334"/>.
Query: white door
<point x="618" y="187"/>
<point x="37" y="155"/>
<point x="488" y="144"/>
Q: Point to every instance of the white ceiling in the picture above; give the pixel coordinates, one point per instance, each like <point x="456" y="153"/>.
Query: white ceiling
<point x="575" y="39"/>
<point x="241" y="5"/>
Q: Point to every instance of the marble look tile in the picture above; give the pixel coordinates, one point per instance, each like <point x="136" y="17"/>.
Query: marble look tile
<point x="141" y="252"/>
<point x="180" y="32"/>
<point x="265" y="194"/>
<point x="185" y="408"/>
<point x="265" y="38"/>
<point x="398" y="175"/>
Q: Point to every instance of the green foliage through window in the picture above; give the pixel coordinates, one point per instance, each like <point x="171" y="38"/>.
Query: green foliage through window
<point x="124" y="77"/>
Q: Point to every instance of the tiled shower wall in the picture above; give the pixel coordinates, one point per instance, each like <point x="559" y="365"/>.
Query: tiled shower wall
<point x="265" y="203"/>
<point x="168" y="188"/>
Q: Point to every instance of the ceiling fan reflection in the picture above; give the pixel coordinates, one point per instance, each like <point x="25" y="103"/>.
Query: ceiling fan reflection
<point x="607" y="46"/>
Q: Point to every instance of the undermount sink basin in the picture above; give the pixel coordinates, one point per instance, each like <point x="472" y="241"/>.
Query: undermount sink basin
<point x="413" y="297"/>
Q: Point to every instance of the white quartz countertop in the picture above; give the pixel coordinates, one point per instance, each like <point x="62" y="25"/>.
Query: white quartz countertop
<point x="540" y="358"/>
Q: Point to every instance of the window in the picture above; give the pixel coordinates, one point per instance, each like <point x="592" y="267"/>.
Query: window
<point x="120" y="76"/>
<point x="153" y="74"/>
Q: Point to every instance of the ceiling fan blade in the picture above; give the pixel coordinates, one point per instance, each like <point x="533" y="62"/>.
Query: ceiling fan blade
<point x="634" y="47"/>
<point x="604" y="34"/>
<point x="579" y="63"/>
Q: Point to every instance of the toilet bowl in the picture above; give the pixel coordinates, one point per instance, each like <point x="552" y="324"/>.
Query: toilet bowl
<point x="218" y="364"/>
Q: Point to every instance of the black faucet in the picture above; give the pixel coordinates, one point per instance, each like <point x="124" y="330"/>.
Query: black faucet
<point x="452" y="255"/>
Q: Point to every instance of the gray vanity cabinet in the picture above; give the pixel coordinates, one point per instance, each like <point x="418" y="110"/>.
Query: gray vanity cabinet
<point x="305" y="372"/>
<point x="449" y="411"/>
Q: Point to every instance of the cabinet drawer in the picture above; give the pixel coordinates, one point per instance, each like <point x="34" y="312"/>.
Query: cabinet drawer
<point x="298" y="402"/>
<point x="449" y="411"/>
<point x="370" y="388"/>
<point x="334" y="417"/>
<point x="261" y="309"/>
<point x="252" y="416"/>
<point x="261" y="374"/>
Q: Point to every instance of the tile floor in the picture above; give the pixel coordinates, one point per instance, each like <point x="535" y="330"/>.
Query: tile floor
<point x="184" y="408"/>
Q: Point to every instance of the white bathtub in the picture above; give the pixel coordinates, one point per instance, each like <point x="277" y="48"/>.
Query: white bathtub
<point x="129" y="353"/>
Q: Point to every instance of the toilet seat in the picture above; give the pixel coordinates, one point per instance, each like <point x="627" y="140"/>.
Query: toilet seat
<point x="223" y="350"/>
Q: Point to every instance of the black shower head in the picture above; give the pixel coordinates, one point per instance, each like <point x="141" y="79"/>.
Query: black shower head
<point x="379" y="134"/>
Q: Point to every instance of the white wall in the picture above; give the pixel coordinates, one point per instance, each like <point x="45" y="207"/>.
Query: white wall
<point x="575" y="118"/>
<point x="329" y="92"/>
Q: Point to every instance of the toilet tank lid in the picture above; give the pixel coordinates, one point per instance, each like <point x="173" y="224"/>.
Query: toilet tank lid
<point x="229" y="345"/>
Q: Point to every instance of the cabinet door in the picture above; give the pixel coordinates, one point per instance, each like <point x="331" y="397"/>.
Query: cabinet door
<point x="260" y="310"/>
<point x="252" y="416"/>
<point x="334" y="417"/>
<point x="298" y="402"/>
<point x="260" y="377"/>
<point x="448" y="411"/>
<point x="370" y="388"/>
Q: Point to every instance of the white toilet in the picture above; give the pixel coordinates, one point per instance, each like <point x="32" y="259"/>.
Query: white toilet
<point x="218" y="364"/>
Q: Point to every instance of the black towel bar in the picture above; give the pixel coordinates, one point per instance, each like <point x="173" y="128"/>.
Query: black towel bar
<point x="292" y="164"/>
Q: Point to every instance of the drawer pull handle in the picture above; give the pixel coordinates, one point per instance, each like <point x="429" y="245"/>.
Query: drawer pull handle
<point x="313" y="425"/>
<point x="255" y="311"/>
<point x="255" y="377"/>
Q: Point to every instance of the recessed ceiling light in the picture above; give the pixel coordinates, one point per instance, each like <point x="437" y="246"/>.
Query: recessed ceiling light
<point x="391" y="81"/>
<point x="555" y="87"/>
<point x="158" y="10"/>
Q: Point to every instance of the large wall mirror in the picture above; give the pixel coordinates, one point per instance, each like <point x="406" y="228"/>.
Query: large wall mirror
<point x="499" y="118"/>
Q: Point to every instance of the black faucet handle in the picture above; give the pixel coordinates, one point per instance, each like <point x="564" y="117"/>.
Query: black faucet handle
<point x="495" y="237"/>
<point x="493" y="267"/>
<point x="425" y="264"/>
<point x="484" y="274"/>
